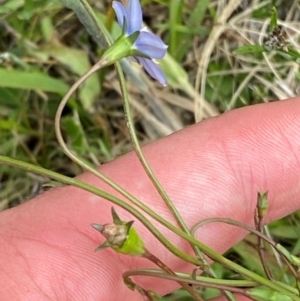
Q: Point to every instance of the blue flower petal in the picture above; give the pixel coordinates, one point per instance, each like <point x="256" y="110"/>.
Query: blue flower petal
<point x="147" y="43"/>
<point x="135" y="16"/>
<point x="121" y="13"/>
<point x="152" y="69"/>
<point x="151" y="45"/>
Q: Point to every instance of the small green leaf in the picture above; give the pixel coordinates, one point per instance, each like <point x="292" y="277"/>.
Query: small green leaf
<point x="47" y="28"/>
<point x="75" y="133"/>
<point x="10" y="6"/>
<point x="29" y="5"/>
<point x="31" y="81"/>
<point x="273" y="19"/>
<point x="87" y="17"/>
<point x="291" y="258"/>
<point x="292" y="52"/>
<point x="250" y="49"/>
<point x="284" y="232"/>
<point x="12" y="124"/>
<point x="175" y="73"/>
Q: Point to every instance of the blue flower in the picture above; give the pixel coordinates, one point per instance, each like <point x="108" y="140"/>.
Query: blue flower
<point x="147" y="44"/>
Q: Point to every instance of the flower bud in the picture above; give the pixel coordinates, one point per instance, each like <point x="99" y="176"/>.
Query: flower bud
<point x="262" y="203"/>
<point x="121" y="236"/>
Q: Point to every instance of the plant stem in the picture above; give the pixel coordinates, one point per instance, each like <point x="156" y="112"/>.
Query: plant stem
<point x="96" y="191"/>
<point x="205" y="249"/>
<point x="155" y="181"/>
<point x="224" y="284"/>
<point x="87" y="166"/>
<point x="148" y="255"/>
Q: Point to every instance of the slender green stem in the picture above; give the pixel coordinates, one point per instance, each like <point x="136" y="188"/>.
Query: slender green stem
<point x="77" y="183"/>
<point x="139" y="152"/>
<point x="259" y="234"/>
<point x="155" y="181"/>
<point x="201" y="281"/>
<point x="205" y="280"/>
<point x="105" y="38"/>
<point x="205" y="249"/>
<point x="87" y="166"/>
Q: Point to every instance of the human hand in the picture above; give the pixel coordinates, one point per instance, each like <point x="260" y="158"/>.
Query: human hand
<point x="212" y="169"/>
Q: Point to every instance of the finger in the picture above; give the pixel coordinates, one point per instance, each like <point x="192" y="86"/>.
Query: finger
<point x="213" y="169"/>
<point x="216" y="168"/>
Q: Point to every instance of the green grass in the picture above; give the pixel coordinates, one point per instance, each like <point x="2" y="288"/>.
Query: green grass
<point x="44" y="49"/>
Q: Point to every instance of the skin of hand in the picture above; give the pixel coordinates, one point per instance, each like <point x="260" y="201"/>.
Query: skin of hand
<point x="212" y="169"/>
